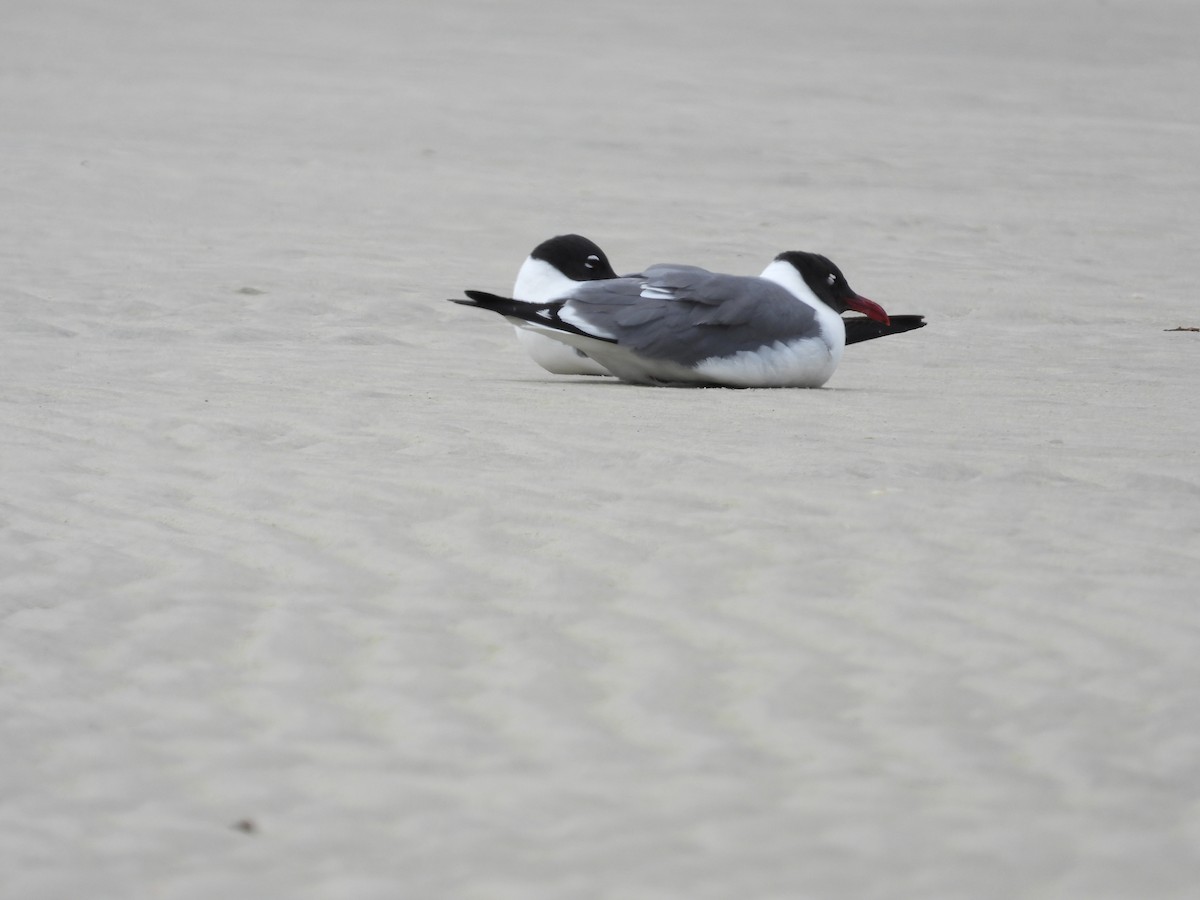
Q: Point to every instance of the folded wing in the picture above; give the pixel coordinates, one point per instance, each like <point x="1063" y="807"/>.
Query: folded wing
<point x="685" y="314"/>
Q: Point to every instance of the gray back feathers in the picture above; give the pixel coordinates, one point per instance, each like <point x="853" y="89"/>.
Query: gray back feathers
<point x="686" y="314"/>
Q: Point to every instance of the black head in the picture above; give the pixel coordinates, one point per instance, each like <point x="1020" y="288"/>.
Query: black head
<point x="576" y="257"/>
<point x="822" y="277"/>
<point x="829" y="284"/>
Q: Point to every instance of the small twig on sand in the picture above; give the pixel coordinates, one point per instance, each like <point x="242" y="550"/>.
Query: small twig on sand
<point x="1183" y="328"/>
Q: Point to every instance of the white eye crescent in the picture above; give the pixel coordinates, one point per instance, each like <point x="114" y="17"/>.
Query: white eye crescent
<point x="592" y="262"/>
<point x="832" y="280"/>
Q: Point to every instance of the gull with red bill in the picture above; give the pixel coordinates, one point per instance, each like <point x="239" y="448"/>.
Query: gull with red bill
<point x="683" y="325"/>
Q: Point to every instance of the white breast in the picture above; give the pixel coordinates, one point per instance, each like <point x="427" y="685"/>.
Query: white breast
<point x="808" y="362"/>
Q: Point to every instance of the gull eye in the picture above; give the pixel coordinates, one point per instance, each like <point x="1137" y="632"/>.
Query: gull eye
<point x="592" y="262"/>
<point x="831" y="280"/>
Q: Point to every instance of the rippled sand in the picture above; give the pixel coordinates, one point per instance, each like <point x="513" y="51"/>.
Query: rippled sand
<point x="314" y="586"/>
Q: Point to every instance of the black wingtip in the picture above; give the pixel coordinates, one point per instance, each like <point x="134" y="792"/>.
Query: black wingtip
<point x="860" y="328"/>
<point x="482" y="300"/>
<point x="482" y="296"/>
<point x="494" y="303"/>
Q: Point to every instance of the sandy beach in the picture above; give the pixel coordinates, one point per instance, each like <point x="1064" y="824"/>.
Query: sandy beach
<point x="313" y="585"/>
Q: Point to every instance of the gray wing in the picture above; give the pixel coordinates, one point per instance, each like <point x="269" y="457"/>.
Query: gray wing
<point x="686" y="314"/>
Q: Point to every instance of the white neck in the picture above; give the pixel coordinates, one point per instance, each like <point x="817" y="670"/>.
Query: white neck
<point x="833" y="329"/>
<point x="785" y="275"/>
<point x="540" y="282"/>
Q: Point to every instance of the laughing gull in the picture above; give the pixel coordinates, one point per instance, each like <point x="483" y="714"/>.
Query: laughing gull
<point x="560" y="264"/>
<point x="552" y="271"/>
<point x="687" y="326"/>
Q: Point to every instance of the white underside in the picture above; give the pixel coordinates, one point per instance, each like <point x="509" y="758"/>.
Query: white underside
<point x="805" y="363"/>
<point x="556" y="357"/>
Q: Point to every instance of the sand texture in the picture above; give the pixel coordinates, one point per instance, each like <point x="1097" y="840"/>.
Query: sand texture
<point x="312" y="585"/>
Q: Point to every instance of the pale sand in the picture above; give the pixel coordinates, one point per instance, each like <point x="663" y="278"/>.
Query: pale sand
<point x="288" y="539"/>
